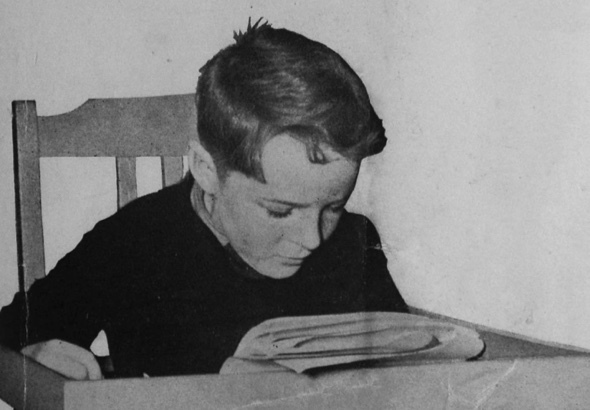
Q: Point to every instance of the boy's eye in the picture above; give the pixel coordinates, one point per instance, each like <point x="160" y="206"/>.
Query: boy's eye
<point x="278" y="214"/>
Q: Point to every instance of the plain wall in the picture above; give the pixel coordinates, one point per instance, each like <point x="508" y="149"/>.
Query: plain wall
<point x="481" y="196"/>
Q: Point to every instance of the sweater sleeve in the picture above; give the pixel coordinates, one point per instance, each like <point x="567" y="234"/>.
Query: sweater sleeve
<point x="67" y="303"/>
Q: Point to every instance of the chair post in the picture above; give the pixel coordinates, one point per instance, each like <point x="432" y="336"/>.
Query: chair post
<point x="29" y="223"/>
<point x="171" y="170"/>
<point x="126" y="180"/>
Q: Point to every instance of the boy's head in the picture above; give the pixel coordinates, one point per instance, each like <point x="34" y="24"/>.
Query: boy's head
<point x="283" y="124"/>
<point x="273" y="82"/>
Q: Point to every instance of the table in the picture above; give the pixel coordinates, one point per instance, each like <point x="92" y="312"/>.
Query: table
<point x="514" y="372"/>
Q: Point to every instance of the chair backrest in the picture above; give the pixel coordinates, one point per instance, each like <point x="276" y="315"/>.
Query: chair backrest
<point x="124" y="128"/>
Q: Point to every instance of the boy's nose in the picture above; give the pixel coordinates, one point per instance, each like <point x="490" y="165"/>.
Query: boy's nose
<point x="310" y="232"/>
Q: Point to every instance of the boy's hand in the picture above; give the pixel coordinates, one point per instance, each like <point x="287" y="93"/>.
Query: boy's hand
<point x="65" y="358"/>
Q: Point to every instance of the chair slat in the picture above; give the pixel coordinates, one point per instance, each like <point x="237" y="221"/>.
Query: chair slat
<point x="126" y="181"/>
<point x="29" y="223"/>
<point x="171" y="170"/>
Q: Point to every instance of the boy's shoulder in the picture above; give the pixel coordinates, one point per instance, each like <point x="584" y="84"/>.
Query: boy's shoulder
<point x="150" y="216"/>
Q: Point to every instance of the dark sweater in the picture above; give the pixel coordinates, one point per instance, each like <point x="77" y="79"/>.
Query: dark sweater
<point x="164" y="290"/>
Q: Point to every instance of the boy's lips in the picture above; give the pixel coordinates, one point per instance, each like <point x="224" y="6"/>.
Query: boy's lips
<point x="293" y="261"/>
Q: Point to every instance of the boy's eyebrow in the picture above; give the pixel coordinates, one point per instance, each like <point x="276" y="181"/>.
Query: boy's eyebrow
<point x="283" y="202"/>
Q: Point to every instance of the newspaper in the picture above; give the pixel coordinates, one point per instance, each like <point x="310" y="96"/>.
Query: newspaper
<point x="308" y="342"/>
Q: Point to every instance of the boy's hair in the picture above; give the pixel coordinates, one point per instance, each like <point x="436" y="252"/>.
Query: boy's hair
<point x="275" y="81"/>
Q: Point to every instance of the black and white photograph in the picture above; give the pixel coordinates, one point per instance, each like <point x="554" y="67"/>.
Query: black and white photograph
<point x="294" y="204"/>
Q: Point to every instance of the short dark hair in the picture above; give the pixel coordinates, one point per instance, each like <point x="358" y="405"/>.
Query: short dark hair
<point x="275" y="81"/>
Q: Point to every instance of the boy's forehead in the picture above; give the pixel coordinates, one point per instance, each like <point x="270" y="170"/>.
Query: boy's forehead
<point x="289" y="172"/>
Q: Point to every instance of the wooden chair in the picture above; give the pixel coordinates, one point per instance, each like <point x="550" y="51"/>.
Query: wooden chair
<point x="123" y="128"/>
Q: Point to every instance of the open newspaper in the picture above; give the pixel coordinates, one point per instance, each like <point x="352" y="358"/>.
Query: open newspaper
<point x="308" y="342"/>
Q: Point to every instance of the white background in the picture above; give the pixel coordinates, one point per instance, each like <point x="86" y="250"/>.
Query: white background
<point x="482" y="195"/>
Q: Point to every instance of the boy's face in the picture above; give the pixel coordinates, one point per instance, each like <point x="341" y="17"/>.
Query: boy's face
<point x="275" y="225"/>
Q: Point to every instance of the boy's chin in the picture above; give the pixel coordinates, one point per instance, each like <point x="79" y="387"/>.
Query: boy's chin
<point x="278" y="271"/>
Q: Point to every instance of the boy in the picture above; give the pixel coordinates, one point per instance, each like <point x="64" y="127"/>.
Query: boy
<point x="257" y="229"/>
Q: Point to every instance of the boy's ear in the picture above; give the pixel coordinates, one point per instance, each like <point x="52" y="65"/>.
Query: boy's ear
<point x="202" y="167"/>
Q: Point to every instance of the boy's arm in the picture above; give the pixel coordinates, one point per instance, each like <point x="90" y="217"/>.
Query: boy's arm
<point x="58" y="318"/>
<point x="25" y="326"/>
